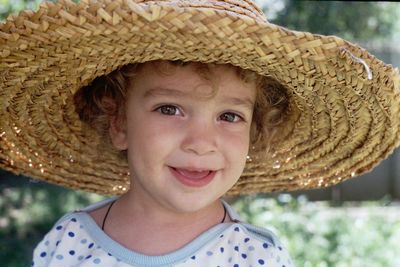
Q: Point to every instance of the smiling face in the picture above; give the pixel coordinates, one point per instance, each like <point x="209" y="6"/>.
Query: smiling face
<point x="187" y="137"/>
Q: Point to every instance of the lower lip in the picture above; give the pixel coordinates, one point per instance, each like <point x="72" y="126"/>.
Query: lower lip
<point x="193" y="182"/>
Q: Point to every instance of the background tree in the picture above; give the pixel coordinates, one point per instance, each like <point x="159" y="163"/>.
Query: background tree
<point x="350" y="20"/>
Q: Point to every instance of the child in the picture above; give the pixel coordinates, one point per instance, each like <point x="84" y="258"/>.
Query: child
<point x="172" y="105"/>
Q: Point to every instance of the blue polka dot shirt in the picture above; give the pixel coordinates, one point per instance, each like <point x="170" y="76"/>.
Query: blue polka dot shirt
<point x="76" y="240"/>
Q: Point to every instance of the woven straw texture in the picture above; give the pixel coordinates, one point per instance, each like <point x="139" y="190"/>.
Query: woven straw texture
<point x="344" y="103"/>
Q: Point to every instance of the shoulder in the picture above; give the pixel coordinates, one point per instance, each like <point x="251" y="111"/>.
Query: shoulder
<point x="262" y="234"/>
<point x="68" y="225"/>
<point x="254" y="244"/>
<point x="259" y="233"/>
<point x="70" y="235"/>
<point x="241" y="244"/>
<point x="65" y="232"/>
<point x="246" y="233"/>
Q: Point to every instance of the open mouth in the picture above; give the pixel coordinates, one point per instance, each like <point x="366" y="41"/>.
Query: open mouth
<point x="194" y="178"/>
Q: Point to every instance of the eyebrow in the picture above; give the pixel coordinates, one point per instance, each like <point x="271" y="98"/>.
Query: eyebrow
<point x="162" y="91"/>
<point x="246" y="102"/>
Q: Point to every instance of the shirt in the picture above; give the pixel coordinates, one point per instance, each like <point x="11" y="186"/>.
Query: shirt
<point x="76" y="240"/>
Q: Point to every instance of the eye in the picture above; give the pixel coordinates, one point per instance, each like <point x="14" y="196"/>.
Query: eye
<point x="169" y="110"/>
<point x="230" y="117"/>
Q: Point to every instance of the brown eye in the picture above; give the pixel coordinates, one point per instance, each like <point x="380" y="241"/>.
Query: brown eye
<point x="230" y="117"/>
<point x="168" y="110"/>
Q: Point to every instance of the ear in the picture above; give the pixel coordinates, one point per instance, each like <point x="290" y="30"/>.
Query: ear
<point x="118" y="133"/>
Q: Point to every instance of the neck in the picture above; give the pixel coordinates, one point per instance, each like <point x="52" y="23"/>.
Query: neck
<point x="143" y="226"/>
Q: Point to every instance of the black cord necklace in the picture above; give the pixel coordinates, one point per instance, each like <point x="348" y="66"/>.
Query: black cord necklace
<point x="105" y="216"/>
<point x="223" y="218"/>
<point x="112" y="203"/>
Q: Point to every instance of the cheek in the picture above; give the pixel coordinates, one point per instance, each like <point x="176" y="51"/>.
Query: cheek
<point x="151" y="140"/>
<point x="236" y="148"/>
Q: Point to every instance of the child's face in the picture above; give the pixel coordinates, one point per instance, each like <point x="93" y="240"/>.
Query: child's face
<point x="187" y="144"/>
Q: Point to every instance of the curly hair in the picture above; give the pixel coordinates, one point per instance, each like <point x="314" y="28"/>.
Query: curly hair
<point x="105" y="98"/>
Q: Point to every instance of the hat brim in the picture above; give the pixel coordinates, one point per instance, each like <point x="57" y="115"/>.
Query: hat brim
<point x="342" y="123"/>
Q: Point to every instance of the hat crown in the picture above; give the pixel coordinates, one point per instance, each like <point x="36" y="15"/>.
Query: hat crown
<point x="238" y="7"/>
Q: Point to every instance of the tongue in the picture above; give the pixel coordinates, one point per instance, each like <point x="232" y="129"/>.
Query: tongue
<point x="193" y="174"/>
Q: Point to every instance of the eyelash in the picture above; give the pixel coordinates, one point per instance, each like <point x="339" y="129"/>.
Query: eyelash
<point x="161" y="110"/>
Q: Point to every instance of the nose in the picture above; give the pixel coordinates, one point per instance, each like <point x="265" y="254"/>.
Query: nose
<point x="200" y="137"/>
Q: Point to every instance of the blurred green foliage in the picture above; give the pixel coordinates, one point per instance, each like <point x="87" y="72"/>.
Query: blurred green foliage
<point x="319" y="235"/>
<point x="350" y="20"/>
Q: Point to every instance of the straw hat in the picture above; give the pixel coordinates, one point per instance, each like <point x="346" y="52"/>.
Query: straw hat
<point x="344" y="103"/>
